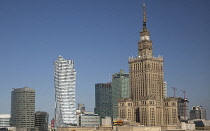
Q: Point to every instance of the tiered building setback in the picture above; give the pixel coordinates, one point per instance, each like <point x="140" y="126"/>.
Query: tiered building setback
<point x="147" y="87"/>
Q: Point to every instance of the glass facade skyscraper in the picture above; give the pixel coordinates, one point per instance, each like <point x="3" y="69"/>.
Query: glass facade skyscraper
<point x="103" y="98"/>
<point x="120" y="89"/>
<point x="65" y="84"/>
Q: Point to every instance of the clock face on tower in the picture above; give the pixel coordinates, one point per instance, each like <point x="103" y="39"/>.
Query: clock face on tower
<point x="144" y="37"/>
<point x="147" y="37"/>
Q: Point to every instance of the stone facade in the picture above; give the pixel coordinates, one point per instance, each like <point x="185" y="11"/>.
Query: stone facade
<point x="170" y="111"/>
<point x="126" y="108"/>
<point x="150" y="106"/>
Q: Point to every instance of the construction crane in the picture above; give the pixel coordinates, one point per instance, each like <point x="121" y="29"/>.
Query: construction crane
<point x="174" y="88"/>
<point x="183" y="92"/>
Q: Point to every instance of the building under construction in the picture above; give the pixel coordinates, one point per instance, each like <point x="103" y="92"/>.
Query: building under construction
<point x="182" y="104"/>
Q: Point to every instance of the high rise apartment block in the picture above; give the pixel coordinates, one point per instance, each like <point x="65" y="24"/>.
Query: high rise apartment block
<point x="148" y="104"/>
<point x="65" y="84"/>
<point x="23" y="108"/>
<point x="120" y="89"/>
<point x="103" y="98"/>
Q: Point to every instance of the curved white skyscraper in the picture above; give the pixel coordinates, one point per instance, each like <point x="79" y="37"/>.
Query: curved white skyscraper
<point x="65" y="83"/>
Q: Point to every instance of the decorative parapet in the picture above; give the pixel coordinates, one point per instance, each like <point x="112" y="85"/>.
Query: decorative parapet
<point x="125" y="99"/>
<point x="170" y="99"/>
<point x="147" y="98"/>
<point x="132" y="59"/>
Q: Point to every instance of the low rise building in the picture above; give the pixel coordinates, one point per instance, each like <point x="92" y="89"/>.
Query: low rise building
<point x="125" y="109"/>
<point x="115" y="128"/>
<point x="106" y="121"/>
<point x="200" y="124"/>
<point x="187" y="126"/>
<point x="76" y="129"/>
<point x="4" y="120"/>
<point x="89" y="119"/>
<point x="137" y="128"/>
<point x="12" y="129"/>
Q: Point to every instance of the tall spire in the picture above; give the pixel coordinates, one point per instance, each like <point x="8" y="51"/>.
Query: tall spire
<point x="144" y="17"/>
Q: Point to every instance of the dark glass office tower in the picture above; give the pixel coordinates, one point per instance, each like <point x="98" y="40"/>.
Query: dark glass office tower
<point x="41" y="121"/>
<point x="103" y="98"/>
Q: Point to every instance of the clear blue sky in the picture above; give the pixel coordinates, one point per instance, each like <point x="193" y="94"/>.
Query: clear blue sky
<point x="100" y="36"/>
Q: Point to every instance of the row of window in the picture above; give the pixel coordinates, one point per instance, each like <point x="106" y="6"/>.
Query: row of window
<point x="142" y="66"/>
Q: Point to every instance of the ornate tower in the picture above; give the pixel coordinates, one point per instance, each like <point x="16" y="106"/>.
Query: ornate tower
<point x="146" y="81"/>
<point x="149" y="105"/>
<point x="144" y="45"/>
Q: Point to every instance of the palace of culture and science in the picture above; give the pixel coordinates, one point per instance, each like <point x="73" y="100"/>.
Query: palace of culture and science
<point x="147" y="104"/>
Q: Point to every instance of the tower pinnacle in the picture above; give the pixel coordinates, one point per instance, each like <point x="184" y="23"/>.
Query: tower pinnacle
<point x="144" y="17"/>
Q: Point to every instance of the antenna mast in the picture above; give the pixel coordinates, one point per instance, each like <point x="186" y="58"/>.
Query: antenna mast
<point x="144" y="17"/>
